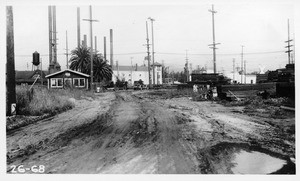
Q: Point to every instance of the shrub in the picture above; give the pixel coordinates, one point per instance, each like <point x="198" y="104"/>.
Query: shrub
<point x="42" y="101"/>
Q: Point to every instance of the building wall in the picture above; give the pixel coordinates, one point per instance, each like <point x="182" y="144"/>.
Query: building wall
<point x="238" y="77"/>
<point x="131" y="76"/>
<point x="158" y="74"/>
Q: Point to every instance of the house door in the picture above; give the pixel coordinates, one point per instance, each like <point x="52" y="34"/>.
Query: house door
<point x="68" y="83"/>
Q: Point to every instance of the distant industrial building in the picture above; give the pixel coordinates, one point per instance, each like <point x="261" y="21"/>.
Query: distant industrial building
<point x="136" y="73"/>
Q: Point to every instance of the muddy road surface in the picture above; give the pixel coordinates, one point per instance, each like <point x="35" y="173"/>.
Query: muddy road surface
<point x="138" y="132"/>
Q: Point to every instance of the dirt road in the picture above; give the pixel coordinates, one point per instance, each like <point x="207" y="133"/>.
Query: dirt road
<point x="136" y="132"/>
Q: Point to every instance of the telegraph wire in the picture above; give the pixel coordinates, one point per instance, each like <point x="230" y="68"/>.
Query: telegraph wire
<point x="170" y="53"/>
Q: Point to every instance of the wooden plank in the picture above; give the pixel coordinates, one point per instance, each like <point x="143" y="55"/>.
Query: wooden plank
<point x="287" y="108"/>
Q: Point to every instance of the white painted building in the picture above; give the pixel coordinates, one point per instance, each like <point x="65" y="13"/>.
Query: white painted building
<point x="136" y="73"/>
<point x="250" y="78"/>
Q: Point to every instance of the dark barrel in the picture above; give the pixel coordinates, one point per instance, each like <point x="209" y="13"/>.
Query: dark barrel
<point x="36" y="58"/>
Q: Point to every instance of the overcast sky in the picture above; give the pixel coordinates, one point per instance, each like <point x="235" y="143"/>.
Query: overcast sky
<point x="261" y="26"/>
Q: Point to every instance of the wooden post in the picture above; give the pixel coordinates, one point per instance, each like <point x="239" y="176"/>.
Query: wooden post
<point x="10" y="64"/>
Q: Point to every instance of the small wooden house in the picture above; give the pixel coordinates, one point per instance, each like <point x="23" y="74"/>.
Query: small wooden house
<point x="68" y="79"/>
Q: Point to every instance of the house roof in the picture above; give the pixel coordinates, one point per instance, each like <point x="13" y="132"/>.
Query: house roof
<point x="68" y="70"/>
<point x="157" y="64"/>
<point x="28" y="74"/>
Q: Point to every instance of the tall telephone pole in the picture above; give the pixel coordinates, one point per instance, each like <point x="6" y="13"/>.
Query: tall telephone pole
<point x="245" y="71"/>
<point x="233" y="69"/>
<point x="148" y="54"/>
<point x="10" y="63"/>
<point x="67" y="50"/>
<point x="242" y="70"/>
<point x="91" y="39"/>
<point x="151" y="19"/>
<point x="187" y="65"/>
<point x="214" y="43"/>
<point x="289" y="45"/>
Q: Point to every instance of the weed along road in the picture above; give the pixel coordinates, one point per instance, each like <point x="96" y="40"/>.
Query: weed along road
<point x="146" y="132"/>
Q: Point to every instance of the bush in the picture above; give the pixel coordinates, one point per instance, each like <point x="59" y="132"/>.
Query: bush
<point x="42" y="101"/>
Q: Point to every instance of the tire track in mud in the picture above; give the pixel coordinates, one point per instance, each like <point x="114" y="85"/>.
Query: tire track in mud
<point x="92" y="129"/>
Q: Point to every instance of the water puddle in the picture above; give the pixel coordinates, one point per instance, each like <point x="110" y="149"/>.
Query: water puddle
<point x="255" y="162"/>
<point x="231" y="158"/>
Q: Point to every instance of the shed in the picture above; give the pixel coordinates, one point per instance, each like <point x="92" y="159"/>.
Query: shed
<point x="28" y="77"/>
<point x="68" y="78"/>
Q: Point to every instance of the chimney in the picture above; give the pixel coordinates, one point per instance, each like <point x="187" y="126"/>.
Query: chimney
<point x="104" y="39"/>
<point x="111" y="47"/>
<point x="78" y="27"/>
<point x="84" y="41"/>
<point x="54" y="34"/>
<point x="50" y="34"/>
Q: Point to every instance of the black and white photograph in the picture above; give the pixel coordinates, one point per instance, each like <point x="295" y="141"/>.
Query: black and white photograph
<point x="197" y="87"/>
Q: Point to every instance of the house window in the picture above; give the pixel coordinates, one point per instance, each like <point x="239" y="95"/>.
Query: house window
<point x="79" y="82"/>
<point x="56" y="82"/>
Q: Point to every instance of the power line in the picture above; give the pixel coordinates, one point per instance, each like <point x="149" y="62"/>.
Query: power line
<point x="170" y="53"/>
<point x="230" y="54"/>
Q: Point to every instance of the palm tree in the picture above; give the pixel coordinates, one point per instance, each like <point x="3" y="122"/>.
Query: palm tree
<point x="102" y="71"/>
<point x="80" y="59"/>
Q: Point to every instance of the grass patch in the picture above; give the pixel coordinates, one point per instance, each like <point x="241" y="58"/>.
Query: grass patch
<point x="41" y="101"/>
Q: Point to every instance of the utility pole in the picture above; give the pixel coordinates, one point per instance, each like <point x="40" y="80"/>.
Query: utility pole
<point x="95" y="45"/>
<point x="67" y="50"/>
<point x="233" y="68"/>
<point x="131" y="70"/>
<point x="245" y="71"/>
<point x="242" y="70"/>
<point x="78" y="27"/>
<point x="10" y="63"/>
<point x="163" y="71"/>
<point x="214" y="43"/>
<point x="187" y="65"/>
<point x="148" y="54"/>
<point x="151" y="19"/>
<point x="289" y="45"/>
<point x="91" y="37"/>
<point x="42" y="81"/>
